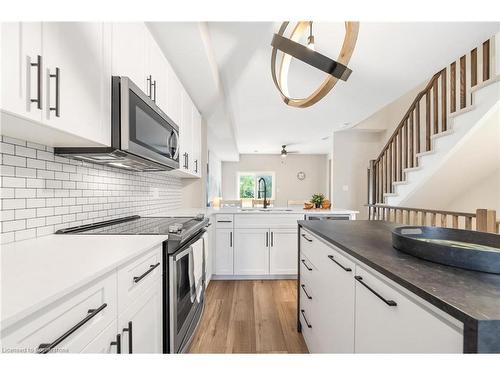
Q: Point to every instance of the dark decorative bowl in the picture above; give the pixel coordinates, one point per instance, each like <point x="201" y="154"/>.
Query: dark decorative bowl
<point x="466" y="249"/>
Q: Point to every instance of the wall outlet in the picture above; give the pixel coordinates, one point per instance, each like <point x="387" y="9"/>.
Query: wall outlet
<point x="345" y="187"/>
<point x="155" y="193"/>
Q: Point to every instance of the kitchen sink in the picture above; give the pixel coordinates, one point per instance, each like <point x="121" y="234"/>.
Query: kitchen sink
<point x="266" y="209"/>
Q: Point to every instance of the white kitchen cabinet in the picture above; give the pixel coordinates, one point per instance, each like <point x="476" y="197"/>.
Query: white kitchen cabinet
<point x="186" y="132"/>
<point x="157" y="69"/>
<point x="392" y="322"/>
<point x="283" y="252"/>
<point x="209" y="249"/>
<point x="129" y="52"/>
<point x="140" y="325"/>
<point x="196" y="142"/>
<point x="21" y="46"/>
<point x="107" y="342"/>
<point x="174" y="97"/>
<point x="224" y="260"/>
<point x="75" y="72"/>
<point x="251" y="251"/>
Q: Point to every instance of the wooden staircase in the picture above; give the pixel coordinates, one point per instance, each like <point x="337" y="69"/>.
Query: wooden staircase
<point x="430" y="116"/>
<point x="447" y="95"/>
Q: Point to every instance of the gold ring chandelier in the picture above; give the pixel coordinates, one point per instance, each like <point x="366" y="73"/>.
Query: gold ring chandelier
<point x="291" y="48"/>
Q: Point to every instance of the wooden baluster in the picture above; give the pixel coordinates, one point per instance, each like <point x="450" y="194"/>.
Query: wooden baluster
<point x="468" y="223"/>
<point x="405" y="143"/>
<point x="400" y="155"/>
<point x="486" y="60"/>
<point x="455" y="221"/>
<point x="427" y="121"/>
<point x="433" y="219"/>
<point x="423" y="218"/>
<point x="473" y="67"/>
<point x="463" y="101"/>
<point x="411" y="154"/>
<point x="386" y="184"/>
<point x="444" y="220"/>
<point x="486" y="220"/>
<point x="435" y="107"/>
<point x="417" y="130"/>
<point x="389" y="166"/>
<point x="410" y="214"/>
<point x="453" y="87"/>
<point x="444" y="111"/>
<point x="394" y="160"/>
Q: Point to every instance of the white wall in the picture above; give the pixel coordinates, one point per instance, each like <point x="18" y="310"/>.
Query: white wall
<point x="288" y="186"/>
<point x="353" y="150"/>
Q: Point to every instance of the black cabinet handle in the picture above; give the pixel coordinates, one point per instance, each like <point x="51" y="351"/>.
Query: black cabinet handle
<point x="388" y="302"/>
<point x="130" y="340"/>
<point x="308" y="239"/>
<point x="272" y="239"/>
<point x="305" y="291"/>
<point x="38" y="65"/>
<point x="151" y="268"/>
<point x="196" y="166"/>
<point x="118" y="344"/>
<point x="305" y="319"/>
<point x="267" y="239"/>
<point x="185" y="160"/>
<point x="224" y="221"/>
<point x="154" y="91"/>
<point x="305" y="264"/>
<point x="57" y="107"/>
<point x="149" y="80"/>
<point x="347" y="269"/>
<point x="47" y="347"/>
<point x="230" y="239"/>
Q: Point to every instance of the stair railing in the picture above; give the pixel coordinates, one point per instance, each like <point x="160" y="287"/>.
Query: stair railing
<point x="482" y="220"/>
<point x="447" y="93"/>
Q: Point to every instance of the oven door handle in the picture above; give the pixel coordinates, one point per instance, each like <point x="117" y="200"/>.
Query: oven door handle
<point x="186" y="249"/>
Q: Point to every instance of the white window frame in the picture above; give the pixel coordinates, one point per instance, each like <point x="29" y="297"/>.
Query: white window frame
<point x="255" y="174"/>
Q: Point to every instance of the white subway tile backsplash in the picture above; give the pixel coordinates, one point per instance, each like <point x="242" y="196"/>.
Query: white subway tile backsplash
<point x="42" y="192"/>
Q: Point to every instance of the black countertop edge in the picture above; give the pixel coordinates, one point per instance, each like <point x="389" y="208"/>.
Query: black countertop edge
<point x="440" y="304"/>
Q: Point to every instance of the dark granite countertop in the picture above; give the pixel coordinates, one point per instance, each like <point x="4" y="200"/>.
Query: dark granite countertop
<point x="471" y="297"/>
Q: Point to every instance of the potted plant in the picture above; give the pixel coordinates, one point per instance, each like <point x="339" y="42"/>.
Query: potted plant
<point x="317" y="199"/>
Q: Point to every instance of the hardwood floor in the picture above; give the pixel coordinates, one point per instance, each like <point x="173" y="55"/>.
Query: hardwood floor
<point x="249" y="316"/>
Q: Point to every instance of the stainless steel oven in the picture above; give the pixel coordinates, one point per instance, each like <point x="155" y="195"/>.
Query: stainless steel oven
<point x="186" y="286"/>
<point x="143" y="137"/>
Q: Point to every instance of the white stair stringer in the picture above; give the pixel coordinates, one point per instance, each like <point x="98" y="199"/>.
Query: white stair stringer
<point x="486" y="103"/>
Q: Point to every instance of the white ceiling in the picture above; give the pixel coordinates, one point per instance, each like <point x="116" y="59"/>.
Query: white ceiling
<point x="244" y="108"/>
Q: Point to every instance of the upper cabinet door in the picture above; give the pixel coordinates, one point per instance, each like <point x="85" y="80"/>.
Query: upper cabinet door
<point x="196" y="146"/>
<point x="174" y="96"/>
<point x="74" y="70"/>
<point x="129" y="52"/>
<point x="157" y="68"/>
<point x="21" y="46"/>
<point x="185" y="133"/>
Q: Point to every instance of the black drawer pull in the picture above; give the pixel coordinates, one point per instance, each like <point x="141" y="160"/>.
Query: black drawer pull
<point x="305" y="264"/>
<point x="47" y="347"/>
<point x="308" y="239"/>
<point x="151" y="268"/>
<point x="305" y="319"/>
<point x="57" y="107"/>
<point x="224" y="221"/>
<point x="38" y="65"/>
<point x="130" y="340"/>
<point x="347" y="269"/>
<point x="118" y="344"/>
<point x="388" y="302"/>
<point x="305" y="291"/>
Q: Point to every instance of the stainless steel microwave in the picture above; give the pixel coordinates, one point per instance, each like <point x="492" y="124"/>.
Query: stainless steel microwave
<point x="143" y="137"/>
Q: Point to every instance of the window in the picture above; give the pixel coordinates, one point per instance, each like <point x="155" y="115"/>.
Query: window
<point x="248" y="188"/>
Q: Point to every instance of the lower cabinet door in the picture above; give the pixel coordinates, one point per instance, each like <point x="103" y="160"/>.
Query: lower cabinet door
<point x="388" y="321"/>
<point x="140" y="326"/>
<point x="335" y="295"/>
<point x="224" y="242"/>
<point x="107" y="342"/>
<point x="283" y="252"/>
<point x="251" y="251"/>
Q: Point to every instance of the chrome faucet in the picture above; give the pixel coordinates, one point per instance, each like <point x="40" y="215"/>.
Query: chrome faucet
<point x="265" y="191"/>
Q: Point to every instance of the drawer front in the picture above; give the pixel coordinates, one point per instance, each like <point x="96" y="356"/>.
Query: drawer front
<point x="137" y="276"/>
<point x="267" y="220"/>
<point x="309" y="329"/>
<point x="405" y="325"/>
<point x="60" y="319"/>
<point x="224" y="221"/>
<point x="315" y="249"/>
<point x="107" y="342"/>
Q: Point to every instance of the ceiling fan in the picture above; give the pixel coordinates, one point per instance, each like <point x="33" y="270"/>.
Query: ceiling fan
<point x="284" y="151"/>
